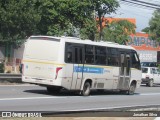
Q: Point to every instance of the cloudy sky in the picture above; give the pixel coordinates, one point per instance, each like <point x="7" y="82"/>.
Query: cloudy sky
<point x="142" y="14"/>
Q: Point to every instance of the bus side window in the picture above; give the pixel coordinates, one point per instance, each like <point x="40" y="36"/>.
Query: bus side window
<point x="135" y="61"/>
<point x="69" y="54"/>
<point x="112" y="56"/>
<point x="89" y="54"/>
<point x="100" y="55"/>
<point x="69" y="57"/>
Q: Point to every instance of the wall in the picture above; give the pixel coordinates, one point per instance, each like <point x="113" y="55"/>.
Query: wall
<point x="18" y="53"/>
<point x="147" y="55"/>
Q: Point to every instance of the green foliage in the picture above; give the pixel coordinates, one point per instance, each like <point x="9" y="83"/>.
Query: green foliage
<point x="69" y="17"/>
<point x="118" y="31"/>
<point x="89" y="31"/>
<point x="18" y="19"/>
<point x="146" y="30"/>
<point x="154" y="26"/>
<point x="22" y="18"/>
<point x="103" y="7"/>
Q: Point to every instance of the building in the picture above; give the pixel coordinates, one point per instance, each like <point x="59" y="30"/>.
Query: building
<point x="109" y="20"/>
<point x="148" y="50"/>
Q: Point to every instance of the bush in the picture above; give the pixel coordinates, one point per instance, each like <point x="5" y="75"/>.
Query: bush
<point x="1" y="67"/>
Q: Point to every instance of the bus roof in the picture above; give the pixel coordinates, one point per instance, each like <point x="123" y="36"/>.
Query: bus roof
<point x="86" y="41"/>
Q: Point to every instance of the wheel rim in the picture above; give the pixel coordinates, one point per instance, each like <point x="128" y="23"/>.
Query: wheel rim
<point x="132" y="89"/>
<point x="86" y="89"/>
<point x="151" y="83"/>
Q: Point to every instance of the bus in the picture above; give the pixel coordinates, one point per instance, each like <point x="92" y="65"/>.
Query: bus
<point x="80" y="65"/>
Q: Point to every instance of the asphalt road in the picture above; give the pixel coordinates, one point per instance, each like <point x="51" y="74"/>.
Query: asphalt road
<point x="36" y="98"/>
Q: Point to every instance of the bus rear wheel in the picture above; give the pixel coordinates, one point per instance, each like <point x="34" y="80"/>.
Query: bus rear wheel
<point x="86" y="89"/>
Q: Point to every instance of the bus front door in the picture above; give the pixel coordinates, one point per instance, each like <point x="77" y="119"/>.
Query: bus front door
<point x="78" y="66"/>
<point x="124" y="79"/>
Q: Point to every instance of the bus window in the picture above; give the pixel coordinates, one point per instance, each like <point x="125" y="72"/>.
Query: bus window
<point x="100" y="50"/>
<point x="89" y="54"/>
<point x="100" y="58"/>
<point x="81" y="56"/>
<point x="68" y="56"/>
<point x="122" y="63"/>
<point x="112" y="56"/>
<point x="135" y="60"/>
<point x="128" y="64"/>
<point x="76" y="55"/>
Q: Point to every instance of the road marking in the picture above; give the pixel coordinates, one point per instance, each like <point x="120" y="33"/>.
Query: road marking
<point x="12" y="85"/>
<point x="145" y="94"/>
<point x="108" y="108"/>
<point x="30" y="98"/>
<point x="157" y="118"/>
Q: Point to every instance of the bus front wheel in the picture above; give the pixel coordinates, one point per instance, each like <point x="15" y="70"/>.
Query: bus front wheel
<point x="150" y="84"/>
<point x="86" y="89"/>
<point x="132" y="89"/>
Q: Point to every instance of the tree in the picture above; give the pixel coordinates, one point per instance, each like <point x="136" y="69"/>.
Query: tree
<point x="118" y="31"/>
<point x="154" y="25"/>
<point x="103" y="7"/>
<point x="74" y="14"/>
<point x="18" y="20"/>
<point x="69" y="17"/>
<point x="21" y="18"/>
<point x="146" y="30"/>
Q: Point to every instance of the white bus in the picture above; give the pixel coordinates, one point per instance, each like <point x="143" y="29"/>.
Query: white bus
<point x="80" y="65"/>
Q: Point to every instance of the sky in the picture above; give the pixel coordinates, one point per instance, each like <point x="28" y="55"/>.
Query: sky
<point x="140" y="13"/>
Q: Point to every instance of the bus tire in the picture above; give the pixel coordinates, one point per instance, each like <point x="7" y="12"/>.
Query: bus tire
<point x="132" y="89"/>
<point x="86" y="89"/>
<point x="150" y="84"/>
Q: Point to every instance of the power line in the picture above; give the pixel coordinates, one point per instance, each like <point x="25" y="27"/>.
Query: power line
<point x="142" y="4"/>
<point x="138" y="6"/>
<point x="132" y="12"/>
<point x="155" y="1"/>
<point x="148" y="3"/>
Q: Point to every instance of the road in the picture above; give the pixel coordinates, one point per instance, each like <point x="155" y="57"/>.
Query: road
<point x="36" y="98"/>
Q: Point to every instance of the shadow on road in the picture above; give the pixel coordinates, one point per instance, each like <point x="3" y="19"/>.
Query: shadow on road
<point x="73" y="93"/>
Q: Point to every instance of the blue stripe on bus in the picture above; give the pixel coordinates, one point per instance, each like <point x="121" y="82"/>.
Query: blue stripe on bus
<point x="88" y="69"/>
